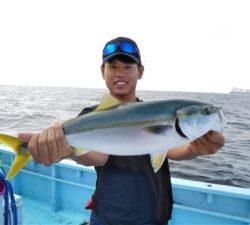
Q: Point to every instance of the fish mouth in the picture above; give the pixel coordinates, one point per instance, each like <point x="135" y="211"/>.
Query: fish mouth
<point x="178" y="129"/>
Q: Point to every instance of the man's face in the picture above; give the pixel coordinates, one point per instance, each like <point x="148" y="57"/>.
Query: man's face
<point x="121" y="78"/>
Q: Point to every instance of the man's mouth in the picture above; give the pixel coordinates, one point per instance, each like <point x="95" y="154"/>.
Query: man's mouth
<point x="120" y="82"/>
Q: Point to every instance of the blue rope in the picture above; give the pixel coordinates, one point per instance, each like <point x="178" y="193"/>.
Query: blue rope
<point x="8" y="194"/>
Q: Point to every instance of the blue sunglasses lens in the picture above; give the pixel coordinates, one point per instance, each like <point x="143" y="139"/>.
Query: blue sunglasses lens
<point x="110" y="48"/>
<point x="124" y="47"/>
<point x="128" y="47"/>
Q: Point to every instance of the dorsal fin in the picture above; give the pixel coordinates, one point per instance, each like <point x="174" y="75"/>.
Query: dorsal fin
<point x="107" y="102"/>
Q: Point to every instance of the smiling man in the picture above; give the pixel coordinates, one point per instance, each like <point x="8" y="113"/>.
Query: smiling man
<point x="128" y="191"/>
<point x="122" y="68"/>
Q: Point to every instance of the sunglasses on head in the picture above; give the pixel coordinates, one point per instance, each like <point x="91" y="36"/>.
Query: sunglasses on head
<point x="125" y="47"/>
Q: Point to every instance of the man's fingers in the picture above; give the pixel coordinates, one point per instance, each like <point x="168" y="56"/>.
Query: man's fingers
<point x="216" y="138"/>
<point x="52" y="145"/>
<point x="61" y="141"/>
<point x="49" y="146"/>
<point x="208" y="144"/>
<point x="43" y="148"/>
<point x="33" y="148"/>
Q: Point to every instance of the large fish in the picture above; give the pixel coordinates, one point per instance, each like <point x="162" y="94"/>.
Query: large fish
<point x="132" y="129"/>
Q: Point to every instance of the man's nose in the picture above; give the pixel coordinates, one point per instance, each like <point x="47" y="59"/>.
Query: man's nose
<point x="120" y="72"/>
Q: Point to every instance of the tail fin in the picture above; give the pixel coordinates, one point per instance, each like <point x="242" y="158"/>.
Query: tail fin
<point x="22" y="153"/>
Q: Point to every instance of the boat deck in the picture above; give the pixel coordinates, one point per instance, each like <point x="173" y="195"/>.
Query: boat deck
<point x="35" y="212"/>
<point x="57" y="195"/>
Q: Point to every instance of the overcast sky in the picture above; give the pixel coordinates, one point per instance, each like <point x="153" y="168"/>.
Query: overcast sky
<point x="185" y="45"/>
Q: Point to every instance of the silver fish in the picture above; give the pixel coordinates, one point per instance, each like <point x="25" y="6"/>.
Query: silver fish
<point x="133" y="129"/>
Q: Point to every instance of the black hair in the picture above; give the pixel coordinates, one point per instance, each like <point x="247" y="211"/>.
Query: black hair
<point x="122" y="58"/>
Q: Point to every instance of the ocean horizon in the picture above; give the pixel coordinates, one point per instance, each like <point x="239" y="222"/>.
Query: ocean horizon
<point x="32" y="108"/>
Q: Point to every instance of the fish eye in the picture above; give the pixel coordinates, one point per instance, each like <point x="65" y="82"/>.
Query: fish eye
<point x="206" y="110"/>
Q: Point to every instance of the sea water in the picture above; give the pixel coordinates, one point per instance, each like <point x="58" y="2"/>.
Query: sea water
<point x="34" y="108"/>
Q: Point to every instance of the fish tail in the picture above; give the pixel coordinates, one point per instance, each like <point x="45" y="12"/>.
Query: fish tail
<point x="22" y="154"/>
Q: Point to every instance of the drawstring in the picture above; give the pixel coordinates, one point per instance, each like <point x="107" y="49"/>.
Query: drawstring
<point x="6" y="191"/>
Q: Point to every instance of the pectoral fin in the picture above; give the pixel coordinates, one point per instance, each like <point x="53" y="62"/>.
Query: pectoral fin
<point x="22" y="154"/>
<point x="157" y="159"/>
<point x="158" y="129"/>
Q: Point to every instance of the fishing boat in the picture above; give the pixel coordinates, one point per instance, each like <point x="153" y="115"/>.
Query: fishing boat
<point x="57" y="195"/>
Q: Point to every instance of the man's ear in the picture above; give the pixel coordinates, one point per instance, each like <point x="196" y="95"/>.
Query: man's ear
<point x="102" y="71"/>
<point x="141" y="70"/>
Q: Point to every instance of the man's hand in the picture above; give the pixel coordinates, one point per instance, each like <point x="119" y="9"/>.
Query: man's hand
<point x="208" y="144"/>
<point x="49" y="146"/>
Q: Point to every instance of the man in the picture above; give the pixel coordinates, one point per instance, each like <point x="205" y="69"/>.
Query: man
<point x="128" y="192"/>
